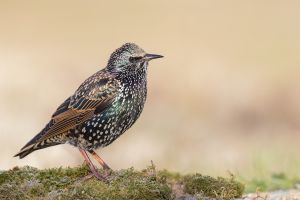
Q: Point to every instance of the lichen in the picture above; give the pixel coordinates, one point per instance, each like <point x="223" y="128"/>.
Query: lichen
<point x="70" y="183"/>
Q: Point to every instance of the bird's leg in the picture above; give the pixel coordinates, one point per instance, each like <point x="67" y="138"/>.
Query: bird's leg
<point x="107" y="169"/>
<point x="91" y="166"/>
<point x="85" y="163"/>
<point x="100" y="160"/>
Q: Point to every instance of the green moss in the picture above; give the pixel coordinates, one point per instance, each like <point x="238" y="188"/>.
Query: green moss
<point x="125" y="184"/>
<point x="200" y="185"/>
<point x="31" y="183"/>
<point x="148" y="184"/>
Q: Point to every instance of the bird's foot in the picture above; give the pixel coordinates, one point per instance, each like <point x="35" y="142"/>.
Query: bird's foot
<point x="106" y="167"/>
<point x="97" y="176"/>
<point x="100" y="177"/>
<point x="87" y="177"/>
<point x="107" y="172"/>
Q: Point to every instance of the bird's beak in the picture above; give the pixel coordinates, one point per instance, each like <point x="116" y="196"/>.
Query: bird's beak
<point x="151" y="56"/>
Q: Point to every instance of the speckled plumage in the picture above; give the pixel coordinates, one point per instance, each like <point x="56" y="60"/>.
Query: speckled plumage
<point x="103" y="107"/>
<point x="104" y="127"/>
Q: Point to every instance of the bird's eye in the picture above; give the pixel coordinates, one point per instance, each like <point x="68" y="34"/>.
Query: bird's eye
<point x="135" y="59"/>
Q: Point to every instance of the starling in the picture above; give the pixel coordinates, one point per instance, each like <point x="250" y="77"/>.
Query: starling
<point x="101" y="109"/>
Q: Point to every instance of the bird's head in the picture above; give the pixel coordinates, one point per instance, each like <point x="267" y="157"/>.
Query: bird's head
<point x="129" y="58"/>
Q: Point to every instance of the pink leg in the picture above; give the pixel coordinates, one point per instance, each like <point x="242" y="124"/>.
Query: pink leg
<point x="91" y="166"/>
<point x="100" y="160"/>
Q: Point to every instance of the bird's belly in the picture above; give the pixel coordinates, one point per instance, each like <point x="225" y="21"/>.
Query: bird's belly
<point x="105" y="127"/>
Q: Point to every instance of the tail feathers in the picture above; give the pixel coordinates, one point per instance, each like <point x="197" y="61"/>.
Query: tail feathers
<point x="31" y="148"/>
<point x="25" y="151"/>
<point x="36" y="142"/>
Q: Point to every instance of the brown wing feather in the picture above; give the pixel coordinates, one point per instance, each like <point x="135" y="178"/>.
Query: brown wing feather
<point x="91" y="95"/>
<point x="63" y="107"/>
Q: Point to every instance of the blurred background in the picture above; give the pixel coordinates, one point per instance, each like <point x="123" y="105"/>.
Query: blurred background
<point x="226" y="96"/>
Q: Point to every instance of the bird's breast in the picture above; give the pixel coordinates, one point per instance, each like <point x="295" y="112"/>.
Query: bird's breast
<point x="130" y="102"/>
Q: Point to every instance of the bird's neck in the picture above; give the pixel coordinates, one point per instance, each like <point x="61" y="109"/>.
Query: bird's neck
<point x="134" y="77"/>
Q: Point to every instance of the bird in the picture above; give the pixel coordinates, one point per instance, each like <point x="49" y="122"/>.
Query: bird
<point x="103" y="107"/>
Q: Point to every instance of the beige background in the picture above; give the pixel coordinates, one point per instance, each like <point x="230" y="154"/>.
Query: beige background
<point x="225" y="97"/>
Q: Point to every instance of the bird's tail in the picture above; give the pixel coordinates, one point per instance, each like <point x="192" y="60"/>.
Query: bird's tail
<point x="27" y="149"/>
<point x="36" y="143"/>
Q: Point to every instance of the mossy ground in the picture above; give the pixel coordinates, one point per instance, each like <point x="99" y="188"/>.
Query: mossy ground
<point x="69" y="183"/>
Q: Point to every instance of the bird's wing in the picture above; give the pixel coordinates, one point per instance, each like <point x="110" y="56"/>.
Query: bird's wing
<point x="96" y="93"/>
<point x="63" y="107"/>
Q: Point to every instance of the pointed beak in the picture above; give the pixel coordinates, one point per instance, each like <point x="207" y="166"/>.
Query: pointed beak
<point x="152" y="56"/>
